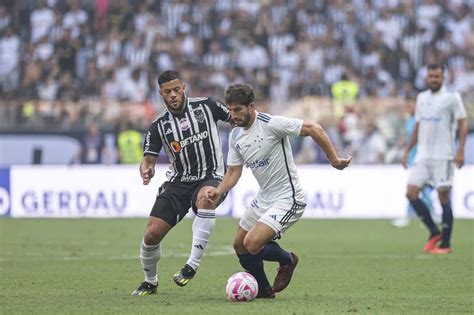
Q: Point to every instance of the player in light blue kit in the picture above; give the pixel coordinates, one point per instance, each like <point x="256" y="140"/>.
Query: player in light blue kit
<point x="260" y="142"/>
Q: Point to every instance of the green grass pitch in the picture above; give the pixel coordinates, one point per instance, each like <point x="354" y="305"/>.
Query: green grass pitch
<point x="85" y="266"/>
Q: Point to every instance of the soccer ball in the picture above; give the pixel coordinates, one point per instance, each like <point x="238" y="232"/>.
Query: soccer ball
<point x="241" y="287"/>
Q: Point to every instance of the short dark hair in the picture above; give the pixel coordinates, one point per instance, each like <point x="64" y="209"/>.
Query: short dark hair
<point x="435" y="66"/>
<point x="240" y="93"/>
<point x="168" y="76"/>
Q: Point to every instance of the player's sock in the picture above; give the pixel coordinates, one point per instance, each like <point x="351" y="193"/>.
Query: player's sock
<point x="424" y="214"/>
<point x="202" y="228"/>
<point x="273" y="252"/>
<point x="149" y="257"/>
<point x="447" y="225"/>
<point x="254" y="265"/>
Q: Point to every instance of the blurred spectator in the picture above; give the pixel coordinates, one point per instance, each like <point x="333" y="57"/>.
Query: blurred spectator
<point x="129" y="144"/>
<point x="9" y="61"/>
<point x="344" y="93"/>
<point x="104" y="56"/>
<point x="371" y="148"/>
<point x="92" y="146"/>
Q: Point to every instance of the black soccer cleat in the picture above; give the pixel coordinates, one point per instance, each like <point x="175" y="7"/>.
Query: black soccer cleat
<point x="267" y="293"/>
<point x="145" y="289"/>
<point x="182" y="277"/>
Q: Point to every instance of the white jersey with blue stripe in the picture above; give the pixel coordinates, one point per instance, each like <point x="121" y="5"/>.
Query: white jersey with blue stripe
<point x="265" y="149"/>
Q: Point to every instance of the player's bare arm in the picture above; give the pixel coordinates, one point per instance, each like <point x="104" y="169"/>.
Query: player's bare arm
<point x="231" y="178"/>
<point x="147" y="168"/>
<point x="317" y="133"/>
<point x="462" y="126"/>
<point x="413" y="141"/>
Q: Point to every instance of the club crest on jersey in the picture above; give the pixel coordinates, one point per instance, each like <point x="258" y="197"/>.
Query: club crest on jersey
<point x="199" y="115"/>
<point x="184" y="124"/>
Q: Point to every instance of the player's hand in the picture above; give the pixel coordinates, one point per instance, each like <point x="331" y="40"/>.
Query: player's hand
<point x="341" y="163"/>
<point x="459" y="158"/>
<point x="147" y="171"/>
<point x="212" y="194"/>
<point x="404" y="160"/>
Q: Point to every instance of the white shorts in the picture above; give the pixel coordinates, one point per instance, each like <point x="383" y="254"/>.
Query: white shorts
<point x="280" y="216"/>
<point x="437" y="173"/>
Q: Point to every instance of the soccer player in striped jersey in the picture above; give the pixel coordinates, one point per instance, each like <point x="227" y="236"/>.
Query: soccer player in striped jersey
<point x="438" y="112"/>
<point x="260" y="142"/>
<point x="187" y="131"/>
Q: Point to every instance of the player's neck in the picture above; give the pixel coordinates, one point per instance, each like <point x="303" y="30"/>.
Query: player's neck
<point x="252" y="117"/>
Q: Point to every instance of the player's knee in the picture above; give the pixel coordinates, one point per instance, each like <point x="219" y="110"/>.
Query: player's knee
<point x="252" y="246"/>
<point x="239" y="247"/>
<point x="411" y="195"/>
<point x="152" y="235"/>
<point x="204" y="203"/>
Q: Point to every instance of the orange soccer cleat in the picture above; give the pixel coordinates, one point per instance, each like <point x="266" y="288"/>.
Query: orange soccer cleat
<point x="432" y="243"/>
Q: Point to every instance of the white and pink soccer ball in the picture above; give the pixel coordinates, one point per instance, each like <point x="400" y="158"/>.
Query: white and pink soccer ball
<point x="241" y="287"/>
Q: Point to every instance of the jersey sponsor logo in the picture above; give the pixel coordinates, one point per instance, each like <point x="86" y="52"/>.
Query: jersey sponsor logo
<point x="432" y="119"/>
<point x="178" y="146"/>
<point x="184" y="124"/>
<point x="147" y="141"/>
<point x="189" y="178"/>
<point x="199" y="115"/>
<point x="258" y="163"/>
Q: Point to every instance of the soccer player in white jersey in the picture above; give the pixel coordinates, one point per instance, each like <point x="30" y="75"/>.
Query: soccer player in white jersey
<point x="437" y="114"/>
<point x="260" y="141"/>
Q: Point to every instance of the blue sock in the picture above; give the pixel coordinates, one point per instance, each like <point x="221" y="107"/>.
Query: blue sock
<point x="424" y="214"/>
<point x="254" y="265"/>
<point x="447" y="224"/>
<point x="273" y="252"/>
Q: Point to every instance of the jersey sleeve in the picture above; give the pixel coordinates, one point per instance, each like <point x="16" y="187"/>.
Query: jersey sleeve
<point x="459" y="109"/>
<point x="284" y="126"/>
<point x="234" y="157"/>
<point x="219" y="110"/>
<point x="152" y="144"/>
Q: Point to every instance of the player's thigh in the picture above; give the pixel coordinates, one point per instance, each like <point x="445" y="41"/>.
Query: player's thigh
<point x="420" y="174"/>
<point x="443" y="174"/>
<point x="199" y="199"/>
<point x="281" y="216"/>
<point x="172" y="203"/>
<point x="258" y="236"/>
<point x="250" y="217"/>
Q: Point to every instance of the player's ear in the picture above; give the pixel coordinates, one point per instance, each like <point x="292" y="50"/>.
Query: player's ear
<point x="251" y="105"/>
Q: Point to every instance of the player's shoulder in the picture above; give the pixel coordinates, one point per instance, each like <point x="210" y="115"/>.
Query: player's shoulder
<point x="165" y="115"/>
<point x="264" y="117"/>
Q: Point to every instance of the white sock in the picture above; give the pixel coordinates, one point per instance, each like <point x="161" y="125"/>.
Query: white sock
<point x="202" y="228"/>
<point x="149" y="257"/>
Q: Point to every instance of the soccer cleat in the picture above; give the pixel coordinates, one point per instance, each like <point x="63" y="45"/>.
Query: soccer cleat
<point x="432" y="243"/>
<point x="145" y="289"/>
<point x="182" y="277"/>
<point x="284" y="274"/>
<point x="268" y="293"/>
<point x="441" y="250"/>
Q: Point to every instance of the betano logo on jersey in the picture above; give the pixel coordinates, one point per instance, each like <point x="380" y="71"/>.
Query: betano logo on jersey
<point x="258" y="163"/>
<point x="178" y="146"/>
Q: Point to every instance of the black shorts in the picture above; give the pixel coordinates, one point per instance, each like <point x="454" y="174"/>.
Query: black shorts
<point x="174" y="199"/>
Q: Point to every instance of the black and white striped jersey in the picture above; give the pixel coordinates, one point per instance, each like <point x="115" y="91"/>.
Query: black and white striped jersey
<point x="191" y="140"/>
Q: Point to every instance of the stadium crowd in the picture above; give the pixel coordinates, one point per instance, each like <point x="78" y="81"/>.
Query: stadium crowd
<point x="65" y="64"/>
